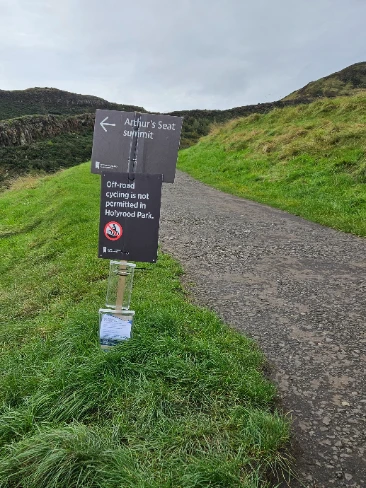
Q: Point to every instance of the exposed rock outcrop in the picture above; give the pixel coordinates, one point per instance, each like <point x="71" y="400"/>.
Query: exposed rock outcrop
<point x="25" y="130"/>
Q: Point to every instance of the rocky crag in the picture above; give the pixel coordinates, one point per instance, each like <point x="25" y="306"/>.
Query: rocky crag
<point x="26" y="130"/>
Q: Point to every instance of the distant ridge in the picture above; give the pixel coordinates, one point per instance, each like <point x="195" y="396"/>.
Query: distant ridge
<point x="348" y="81"/>
<point x="51" y="101"/>
<point x="44" y="129"/>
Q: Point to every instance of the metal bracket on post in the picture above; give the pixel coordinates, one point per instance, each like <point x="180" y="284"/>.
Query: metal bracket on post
<point x="121" y="285"/>
<point x="132" y="159"/>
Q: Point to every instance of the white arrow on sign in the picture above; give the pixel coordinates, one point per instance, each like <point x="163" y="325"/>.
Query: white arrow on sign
<point x="103" y="123"/>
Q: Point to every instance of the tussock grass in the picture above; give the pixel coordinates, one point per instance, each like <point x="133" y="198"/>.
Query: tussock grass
<point x="183" y="403"/>
<point x="309" y="160"/>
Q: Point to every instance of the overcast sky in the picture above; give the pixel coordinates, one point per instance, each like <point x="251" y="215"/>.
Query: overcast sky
<point x="170" y="55"/>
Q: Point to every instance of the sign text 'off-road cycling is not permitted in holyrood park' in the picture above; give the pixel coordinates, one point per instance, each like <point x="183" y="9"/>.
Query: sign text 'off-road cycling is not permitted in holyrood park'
<point x="129" y="216"/>
<point x="156" y="138"/>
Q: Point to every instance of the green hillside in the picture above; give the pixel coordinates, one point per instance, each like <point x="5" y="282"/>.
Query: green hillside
<point x="51" y="142"/>
<point x="348" y="81"/>
<point x="182" y="404"/>
<point x="25" y="111"/>
<point x="309" y="160"/>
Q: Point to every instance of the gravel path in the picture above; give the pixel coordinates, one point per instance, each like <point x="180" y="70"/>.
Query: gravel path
<point x="299" y="290"/>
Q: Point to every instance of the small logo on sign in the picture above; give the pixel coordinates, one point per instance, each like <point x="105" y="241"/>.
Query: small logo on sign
<point x="113" y="231"/>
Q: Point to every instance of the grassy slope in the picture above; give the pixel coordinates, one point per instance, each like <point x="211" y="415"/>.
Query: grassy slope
<point x="309" y="160"/>
<point x="348" y="81"/>
<point x="182" y="404"/>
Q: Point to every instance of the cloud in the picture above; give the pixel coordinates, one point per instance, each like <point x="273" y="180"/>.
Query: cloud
<point x="168" y="56"/>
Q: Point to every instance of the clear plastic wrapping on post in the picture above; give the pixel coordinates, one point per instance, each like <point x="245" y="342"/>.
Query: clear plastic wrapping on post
<point x="115" y="326"/>
<point x="120" y="283"/>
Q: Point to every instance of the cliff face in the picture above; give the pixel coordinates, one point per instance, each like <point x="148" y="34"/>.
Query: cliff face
<point x="25" y="130"/>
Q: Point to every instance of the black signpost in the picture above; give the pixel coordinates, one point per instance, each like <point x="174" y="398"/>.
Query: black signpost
<point x="134" y="153"/>
<point x="155" y="137"/>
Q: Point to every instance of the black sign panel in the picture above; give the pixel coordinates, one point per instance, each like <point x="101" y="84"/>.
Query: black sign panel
<point x="129" y="217"/>
<point x="134" y="142"/>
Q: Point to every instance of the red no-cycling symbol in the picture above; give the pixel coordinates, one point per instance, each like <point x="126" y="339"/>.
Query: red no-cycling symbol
<point x="113" y="231"/>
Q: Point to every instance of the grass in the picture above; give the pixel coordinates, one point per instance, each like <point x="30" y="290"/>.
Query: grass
<point x="309" y="160"/>
<point x="184" y="403"/>
<point x="348" y="81"/>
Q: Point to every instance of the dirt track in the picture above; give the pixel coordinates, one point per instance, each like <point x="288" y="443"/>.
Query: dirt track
<point x="299" y="289"/>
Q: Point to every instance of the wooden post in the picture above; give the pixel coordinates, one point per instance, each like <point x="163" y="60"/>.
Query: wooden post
<point x="121" y="284"/>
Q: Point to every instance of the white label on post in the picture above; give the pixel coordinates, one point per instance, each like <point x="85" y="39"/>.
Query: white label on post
<point x="112" y="327"/>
